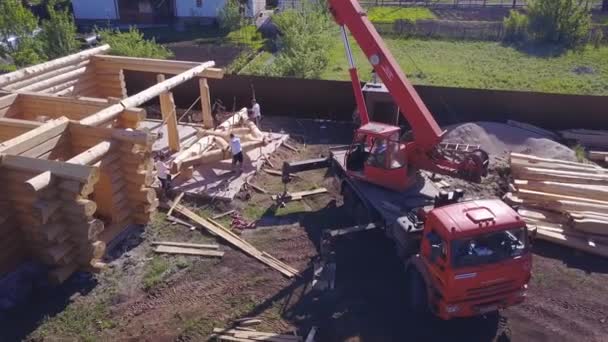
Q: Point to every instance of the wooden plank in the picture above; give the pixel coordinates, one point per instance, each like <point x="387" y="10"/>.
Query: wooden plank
<point x="299" y="195"/>
<point x="185" y="244"/>
<point x="597" y="155"/>
<point x="167" y="107"/>
<point x="80" y="173"/>
<point x="188" y="251"/>
<point x="547" y="196"/>
<point x="535" y="159"/>
<point x="593" y="226"/>
<point x="597" y="192"/>
<point x="543" y="174"/>
<point x="38" y="69"/>
<point x="231" y="238"/>
<point x="156" y="66"/>
<point x="223" y="214"/>
<point x="34" y="137"/>
<point x="175" y="202"/>
<point x="574" y="242"/>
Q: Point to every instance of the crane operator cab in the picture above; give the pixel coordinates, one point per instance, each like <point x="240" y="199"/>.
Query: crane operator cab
<point x="378" y="156"/>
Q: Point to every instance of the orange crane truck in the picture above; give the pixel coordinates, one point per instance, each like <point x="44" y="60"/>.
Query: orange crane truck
<point x="462" y="258"/>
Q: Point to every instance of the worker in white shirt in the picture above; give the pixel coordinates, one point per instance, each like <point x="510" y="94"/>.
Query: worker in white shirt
<point x="257" y="114"/>
<point x="237" y="152"/>
<point x="162" y="172"/>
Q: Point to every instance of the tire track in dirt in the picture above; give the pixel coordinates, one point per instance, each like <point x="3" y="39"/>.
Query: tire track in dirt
<point x="569" y="319"/>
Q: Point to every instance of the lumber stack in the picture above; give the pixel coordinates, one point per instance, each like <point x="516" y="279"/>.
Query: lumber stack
<point x="230" y="237"/>
<point x="566" y="202"/>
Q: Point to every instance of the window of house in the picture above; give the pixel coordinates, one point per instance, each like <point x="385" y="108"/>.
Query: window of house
<point x="199" y="3"/>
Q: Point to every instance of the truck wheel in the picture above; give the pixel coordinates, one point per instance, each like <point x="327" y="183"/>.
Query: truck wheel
<point x="417" y="296"/>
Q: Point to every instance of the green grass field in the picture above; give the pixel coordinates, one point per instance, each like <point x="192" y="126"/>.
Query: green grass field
<point x="488" y="65"/>
<point x="391" y="14"/>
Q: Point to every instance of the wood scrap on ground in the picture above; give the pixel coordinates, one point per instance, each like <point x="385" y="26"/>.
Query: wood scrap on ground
<point x="296" y="196"/>
<point x="176" y="201"/>
<point x="237" y="242"/>
<point x="564" y="202"/>
<point x="221" y="334"/>
<point x="223" y="214"/>
<point x="188" y="251"/>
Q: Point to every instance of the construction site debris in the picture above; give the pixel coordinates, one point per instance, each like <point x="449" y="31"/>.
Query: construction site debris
<point x="237" y="242"/>
<point x="188" y="251"/>
<point x="245" y="335"/>
<point x="288" y="146"/>
<point x="296" y="196"/>
<point x="500" y="139"/>
<point x="175" y="202"/>
<point x="184" y="244"/>
<point x="563" y="202"/>
<point x="223" y="214"/>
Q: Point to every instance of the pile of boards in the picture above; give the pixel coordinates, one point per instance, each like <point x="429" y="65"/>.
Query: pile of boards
<point x="595" y="141"/>
<point x="563" y="202"/>
<point x="246" y="334"/>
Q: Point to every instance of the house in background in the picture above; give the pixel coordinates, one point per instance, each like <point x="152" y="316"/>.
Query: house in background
<point x="154" y="12"/>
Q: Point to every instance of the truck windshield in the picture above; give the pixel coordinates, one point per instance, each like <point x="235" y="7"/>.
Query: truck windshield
<point x="489" y="248"/>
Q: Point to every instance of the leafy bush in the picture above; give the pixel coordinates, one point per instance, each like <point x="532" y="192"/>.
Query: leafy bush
<point x="59" y="33"/>
<point x="305" y="36"/>
<point x="516" y="26"/>
<point x="247" y="35"/>
<point x="390" y="14"/>
<point x="229" y="17"/>
<point x="30" y="51"/>
<point x="559" y="21"/>
<point x="15" y="20"/>
<point x="133" y="44"/>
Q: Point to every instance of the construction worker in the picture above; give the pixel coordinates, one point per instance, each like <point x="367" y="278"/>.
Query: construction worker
<point x="162" y="172"/>
<point x="257" y="114"/>
<point x="237" y="152"/>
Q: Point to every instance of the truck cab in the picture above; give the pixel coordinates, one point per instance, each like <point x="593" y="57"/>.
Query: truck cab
<point x="474" y="258"/>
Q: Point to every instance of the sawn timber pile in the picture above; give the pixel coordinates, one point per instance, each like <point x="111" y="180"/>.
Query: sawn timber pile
<point x="562" y="202"/>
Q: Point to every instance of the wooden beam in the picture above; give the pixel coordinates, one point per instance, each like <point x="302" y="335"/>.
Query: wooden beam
<point x="153" y="65"/>
<point x="80" y="173"/>
<point x="18" y="85"/>
<point x="92" y="155"/>
<point x="167" y="108"/>
<point x="140" y="98"/>
<point x="205" y="103"/>
<point x="18" y="123"/>
<point x="56" y="80"/>
<point x="79" y="131"/>
<point x="38" y="69"/>
<point x="34" y="137"/>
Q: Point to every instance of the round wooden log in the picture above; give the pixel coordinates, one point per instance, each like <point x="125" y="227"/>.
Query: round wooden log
<point x="50" y="65"/>
<point x="142" y="97"/>
<point x="56" y="80"/>
<point x="80" y="207"/>
<point x="45" y="76"/>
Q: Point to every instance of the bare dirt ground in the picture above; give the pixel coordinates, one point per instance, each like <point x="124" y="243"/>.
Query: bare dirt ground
<point x="147" y="297"/>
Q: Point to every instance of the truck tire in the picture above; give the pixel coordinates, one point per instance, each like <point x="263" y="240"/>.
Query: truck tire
<point x="416" y="296"/>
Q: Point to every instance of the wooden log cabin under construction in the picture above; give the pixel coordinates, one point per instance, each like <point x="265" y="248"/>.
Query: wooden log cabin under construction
<point x="75" y="169"/>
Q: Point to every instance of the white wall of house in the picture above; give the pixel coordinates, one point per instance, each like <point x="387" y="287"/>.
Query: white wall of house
<point x="211" y="8"/>
<point x="190" y="8"/>
<point x="95" y="9"/>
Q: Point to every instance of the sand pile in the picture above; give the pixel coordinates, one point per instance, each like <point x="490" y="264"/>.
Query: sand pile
<point x="500" y="139"/>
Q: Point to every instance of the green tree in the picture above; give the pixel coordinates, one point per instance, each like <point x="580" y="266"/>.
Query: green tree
<point x="133" y="44"/>
<point x="230" y="16"/>
<point x="304" y="38"/>
<point x="516" y="26"/>
<point x="559" y="21"/>
<point x="15" y="20"/>
<point x="59" y="33"/>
